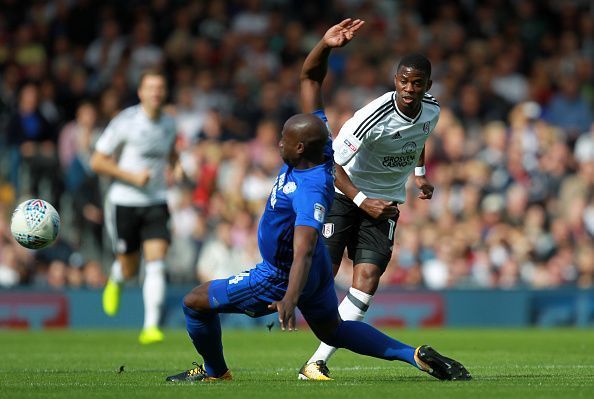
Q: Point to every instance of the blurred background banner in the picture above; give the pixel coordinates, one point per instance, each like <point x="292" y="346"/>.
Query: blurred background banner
<point x="29" y="309"/>
<point x="512" y="156"/>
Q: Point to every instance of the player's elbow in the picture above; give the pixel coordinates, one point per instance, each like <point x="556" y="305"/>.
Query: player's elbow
<point x="94" y="163"/>
<point x="98" y="161"/>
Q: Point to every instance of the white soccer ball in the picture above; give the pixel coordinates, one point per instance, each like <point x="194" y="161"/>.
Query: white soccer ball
<point x="35" y="224"/>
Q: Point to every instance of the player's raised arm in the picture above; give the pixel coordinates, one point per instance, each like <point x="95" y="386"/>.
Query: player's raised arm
<point x="315" y="65"/>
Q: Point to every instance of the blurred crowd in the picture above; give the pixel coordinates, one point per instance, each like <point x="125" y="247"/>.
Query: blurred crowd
<point x="512" y="157"/>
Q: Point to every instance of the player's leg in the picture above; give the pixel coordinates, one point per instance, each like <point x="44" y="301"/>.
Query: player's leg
<point x="201" y="309"/>
<point x="373" y="252"/>
<point x="322" y="316"/>
<point x="204" y="328"/>
<point x="155" y="242"/>
<point x="122" y="225"/>
<point x="341" y="223"/>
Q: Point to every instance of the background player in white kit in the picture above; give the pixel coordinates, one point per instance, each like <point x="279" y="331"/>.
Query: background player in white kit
<point x="375" y="153"/>
<point x="136" y="213"/>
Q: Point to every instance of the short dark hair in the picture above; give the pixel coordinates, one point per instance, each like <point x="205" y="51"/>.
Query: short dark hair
<point x="416" y="61"/>
<point x="151" y="72"/>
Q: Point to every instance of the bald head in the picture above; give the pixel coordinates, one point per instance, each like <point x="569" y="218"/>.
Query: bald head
<point x="304" y="137"/>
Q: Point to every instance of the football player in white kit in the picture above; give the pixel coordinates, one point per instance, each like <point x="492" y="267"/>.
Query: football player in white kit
<point x="134" y="150"/>
<point x="375" y="152"/>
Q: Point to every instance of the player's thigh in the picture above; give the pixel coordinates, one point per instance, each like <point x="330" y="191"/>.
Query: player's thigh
<point x="318" y="302"/>
<point x="123" y="224"/>
<point x="245" y="293"/>
<point x="340" y="226"/>
<point x="155" y="233"/>
<point x="375" y="242"/>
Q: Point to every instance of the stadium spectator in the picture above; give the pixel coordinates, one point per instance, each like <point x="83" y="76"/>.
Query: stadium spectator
<point x="238" y="60"/>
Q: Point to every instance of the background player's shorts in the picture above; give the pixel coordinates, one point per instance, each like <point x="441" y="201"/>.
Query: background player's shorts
<point x="129" y="226"/>
<point x="366" y="239"/>
<point x="251" y="292"/>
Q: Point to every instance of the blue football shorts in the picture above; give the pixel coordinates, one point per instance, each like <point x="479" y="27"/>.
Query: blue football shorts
<point x="251" y="292"/>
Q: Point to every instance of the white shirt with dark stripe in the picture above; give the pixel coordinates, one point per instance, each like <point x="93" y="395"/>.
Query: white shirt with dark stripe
<point x="379" y="147"/>
<point x="142" y="144"/>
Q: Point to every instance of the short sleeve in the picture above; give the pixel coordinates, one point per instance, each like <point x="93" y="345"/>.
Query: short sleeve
<point x="111" y="139"/>
<point x="355" y="131"/>
<point x="310" y="208"/>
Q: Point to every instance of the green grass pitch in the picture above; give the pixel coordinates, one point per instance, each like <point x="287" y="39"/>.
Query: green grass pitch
<point x="504" y="363"/>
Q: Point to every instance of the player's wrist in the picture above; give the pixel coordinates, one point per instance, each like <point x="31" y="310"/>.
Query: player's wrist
<point x="420" y="171"/>
<point x="359" y="198"/>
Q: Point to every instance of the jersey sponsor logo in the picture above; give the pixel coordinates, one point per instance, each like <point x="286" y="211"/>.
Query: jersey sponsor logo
<point x="426" y="127"/>
<point x="289" y="187"/>
<point x="397" y="136"/>
<point x="391" y="161"/>
<point x="328" y="230"/>
<point x="319" y="212"/>
<point x="409" y="149"/>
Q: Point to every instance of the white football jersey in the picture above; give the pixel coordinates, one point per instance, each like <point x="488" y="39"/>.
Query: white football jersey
<point x="144" y="144"/>
<point x="379" y="147"/>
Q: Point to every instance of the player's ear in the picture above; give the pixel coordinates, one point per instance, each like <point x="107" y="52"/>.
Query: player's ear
<point x="300" y="147"/>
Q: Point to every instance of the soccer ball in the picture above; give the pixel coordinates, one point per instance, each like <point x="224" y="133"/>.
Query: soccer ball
<point x="35" y="224"/>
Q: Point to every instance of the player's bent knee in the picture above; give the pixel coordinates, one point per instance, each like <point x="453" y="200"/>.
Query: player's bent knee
<point x="197" y="299"/>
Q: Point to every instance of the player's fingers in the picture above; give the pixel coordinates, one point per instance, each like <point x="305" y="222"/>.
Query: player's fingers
<point x="291" y="322"/>
<point x="345" y="22"/>
<point x="356" y="25"/>
<point x="272" y="306"/>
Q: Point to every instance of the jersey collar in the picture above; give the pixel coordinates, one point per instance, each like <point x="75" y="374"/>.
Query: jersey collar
<point x="401" y="114"/>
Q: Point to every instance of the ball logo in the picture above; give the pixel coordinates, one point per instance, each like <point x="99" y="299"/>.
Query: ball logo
<point x="35" y="224"/>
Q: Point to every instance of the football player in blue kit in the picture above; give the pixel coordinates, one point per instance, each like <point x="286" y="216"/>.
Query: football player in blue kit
<point x="296" y="270"/>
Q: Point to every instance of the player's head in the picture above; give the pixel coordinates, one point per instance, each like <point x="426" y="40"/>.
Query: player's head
<point x="412" y="81"/>
<point x="152" y="89"/>
<point x="303" y="139"/>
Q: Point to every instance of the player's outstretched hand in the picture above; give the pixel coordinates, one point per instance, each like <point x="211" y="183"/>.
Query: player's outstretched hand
<point x="342" y="33"/>
<point x="379" y="209"/>
<point x="426" y="188"/>
<point x="286" y="313"/>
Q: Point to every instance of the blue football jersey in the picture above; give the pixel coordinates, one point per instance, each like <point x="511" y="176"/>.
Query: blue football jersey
<point x="299" y="197"/>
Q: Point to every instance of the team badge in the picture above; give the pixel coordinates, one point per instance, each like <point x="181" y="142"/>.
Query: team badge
<point x="289" y="187"/>
<point x="426" y="127"/>
<point x="409" y="148"/>
<point x="328" y="230"/>
<point x="319" y="212"/>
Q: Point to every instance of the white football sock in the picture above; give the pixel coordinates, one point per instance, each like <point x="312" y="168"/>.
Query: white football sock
<point x="353" y="307"/>
<point x="153" y="292"/>
<point x="116" y="275"/>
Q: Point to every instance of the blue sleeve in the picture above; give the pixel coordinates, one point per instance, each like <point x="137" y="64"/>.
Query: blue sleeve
<point x="328" y="151"/>
<point x="310" y="208"/>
